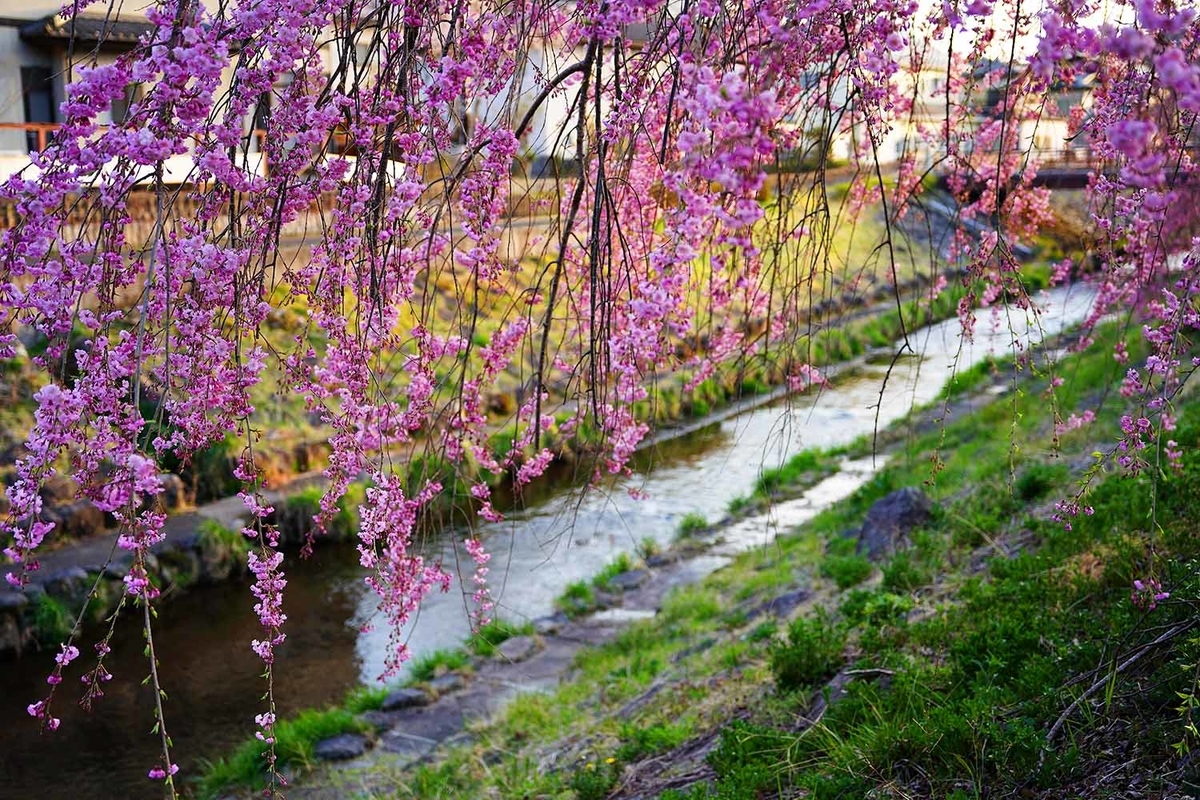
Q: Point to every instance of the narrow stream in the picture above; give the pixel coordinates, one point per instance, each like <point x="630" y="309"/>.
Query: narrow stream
<point x="212" y="677"/>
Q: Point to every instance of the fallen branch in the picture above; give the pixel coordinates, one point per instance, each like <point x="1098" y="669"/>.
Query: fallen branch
<point x="1124" y="665"/>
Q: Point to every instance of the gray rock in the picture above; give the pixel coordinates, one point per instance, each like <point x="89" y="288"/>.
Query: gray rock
<point x="606" y="599"/>
<point x="518" y="648"/>
<point x="341" y="747"/>
<point x="409" y="748"/>
<point x="77" y="520"/>
<point x="699" y="647"/>
<point x="622" y="616"/>
<point x="629" y="580"/>
<point x="407" y="697"/>
<point x="662" y="559"/>
<point x="58" y="489"/>
<point x="380" y="720"/>
<point x="119" y="565"/>
<point x="174" y="494"/>
<point x="450" y="682"/>
<point x="780" y="606"/>
<point x="12" y="600"/>
<point x="547" y="626"/>
<point x="12" y="639"/>
<point x="71" y="584"/>
<point x="890" y="521"/>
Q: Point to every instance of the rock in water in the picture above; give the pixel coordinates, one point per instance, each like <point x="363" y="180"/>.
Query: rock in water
<point x="890" y="521"/>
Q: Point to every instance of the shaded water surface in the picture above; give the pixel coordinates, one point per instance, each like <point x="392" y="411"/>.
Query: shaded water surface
<point x="213" y="679"/>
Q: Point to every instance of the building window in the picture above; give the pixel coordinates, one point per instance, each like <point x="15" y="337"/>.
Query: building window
<point x="37" y="94"/>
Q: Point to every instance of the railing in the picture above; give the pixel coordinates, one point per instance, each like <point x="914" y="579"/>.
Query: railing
<point x="37" y="134"/>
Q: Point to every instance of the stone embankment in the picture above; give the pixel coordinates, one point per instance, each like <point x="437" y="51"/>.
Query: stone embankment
<point x="200" y="546"/>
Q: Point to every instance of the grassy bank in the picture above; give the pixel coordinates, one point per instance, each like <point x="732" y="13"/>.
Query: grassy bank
<point x="1001" y="654"/>
<point x="297" y="736"/>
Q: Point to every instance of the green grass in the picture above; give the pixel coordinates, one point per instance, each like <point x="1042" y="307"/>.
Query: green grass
<point x="690" y="604"/>
<point x="619" y="565"/>
<point x="217" y="541"/>
<point x="577" y="599"/>
<point x="484" y="641"/>
<point x="970" y="379"/>
<point x="52" y="620"/>
<point x="365" y="698"/>
<point x="954" y="665"/>
<point x="431" y="665"/>
<point x="648" y="547"/>
<point x="801" y="470"/>
<point x="692" y="523"/>
<point x="295" y="739"/>
<point x="846" y="571"/>
<point x="639" y="742"/>
<point x="809" y="654"/>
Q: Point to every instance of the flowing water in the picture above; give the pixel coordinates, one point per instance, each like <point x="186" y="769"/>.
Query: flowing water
<point x="213" y="679"/>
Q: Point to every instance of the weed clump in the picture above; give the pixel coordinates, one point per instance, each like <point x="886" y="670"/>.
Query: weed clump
<point x="577" y="599"/>
<point x="485" y="640"/>
<point x="904" y="574"/>
<point x="431" y="665"/>
<point x="619" y="565"/>
<point x="846" y="571"/>
<point x="52" y="620"/>
<point x="801" y="470"/>
<point x="594" y="781"/>
<point x="295" y="742"/>
<point x="638" y="743"/>
<point x="692" y="524"/>
<point x="810" y="654"/>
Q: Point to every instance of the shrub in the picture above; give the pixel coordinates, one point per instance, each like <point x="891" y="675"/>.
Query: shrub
<point x="810" y="654"/>
<point x="638" y="743"/>
<point x="846" y="571"/>
<point x="750" y="761"/>
<point x="1037" y="480"/>
<point x="296" y="517"/>
<point x="903" y="574"/>
<point x="594" y="781"/>
<point x="215" y="540"/>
